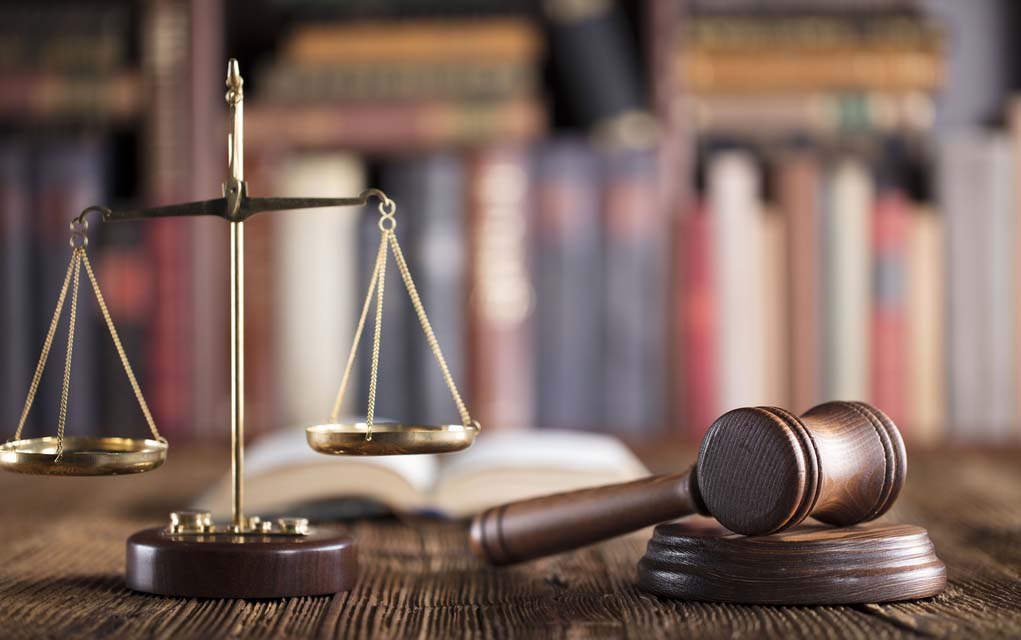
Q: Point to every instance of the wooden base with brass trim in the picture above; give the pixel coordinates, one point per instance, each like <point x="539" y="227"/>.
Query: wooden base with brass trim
<point x="251" y="565"/>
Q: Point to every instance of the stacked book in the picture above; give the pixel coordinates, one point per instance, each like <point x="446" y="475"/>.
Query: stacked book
<point x="819" y="73"/>
<point x="399" y="86"/>
<point x="67" y="61"/>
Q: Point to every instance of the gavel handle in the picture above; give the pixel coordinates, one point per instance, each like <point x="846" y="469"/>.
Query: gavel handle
<point x="528" y="529"/>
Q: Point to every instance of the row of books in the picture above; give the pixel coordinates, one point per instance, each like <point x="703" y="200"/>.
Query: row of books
<point x="542" y="272"/>
<point x="978" y="179"/>
<point x="560" y="291"/>
<point x="866" y="285"/>
<point x="541" y="269"/>
<point x="554" y="289"/>
<point x="846" y="283"/>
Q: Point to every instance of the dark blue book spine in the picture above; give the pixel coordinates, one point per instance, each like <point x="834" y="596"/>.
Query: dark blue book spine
<point x="71" y="177"/>
<point x="124" y="273"/>
<point x="636" y="293"/>
<point x="569" y="286"/>
<point x="437" y="252"/>
<point x="16" y="297"/>
<point x="396" y="355"/>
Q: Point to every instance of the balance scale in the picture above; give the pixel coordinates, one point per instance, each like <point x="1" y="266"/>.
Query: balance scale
<point x="249" y="557"/>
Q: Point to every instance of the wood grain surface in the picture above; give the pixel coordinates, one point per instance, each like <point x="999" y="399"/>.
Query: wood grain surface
<point x="62" y="563"/>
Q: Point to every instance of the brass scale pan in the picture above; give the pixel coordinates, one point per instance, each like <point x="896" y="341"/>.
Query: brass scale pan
<point x="389" y="438"/>
<point x="82" y="456"/>
<point x="107" y="456"/>
<point x="99" y="456"/>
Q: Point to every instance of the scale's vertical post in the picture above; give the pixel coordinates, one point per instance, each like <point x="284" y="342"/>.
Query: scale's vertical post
<point x="233" y="192"/>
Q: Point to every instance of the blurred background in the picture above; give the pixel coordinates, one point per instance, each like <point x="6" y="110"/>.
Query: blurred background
<point x="624" y="217"/>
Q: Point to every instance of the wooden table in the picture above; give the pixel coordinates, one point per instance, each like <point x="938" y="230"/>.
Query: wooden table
<point x="63" y="556"/>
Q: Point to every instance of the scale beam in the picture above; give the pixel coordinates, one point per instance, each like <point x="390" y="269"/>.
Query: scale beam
<point x="247" y="207"/>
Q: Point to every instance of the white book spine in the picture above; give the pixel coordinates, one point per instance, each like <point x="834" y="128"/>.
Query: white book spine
<point x="1014" y="125"/>
<point x="1001" y="324"/>
<point x="319" y="297"/>
<point x="848" y="283"/>
<point x="776" y="308"/>
<point x="736" y="210"/>
<point x="962" y="199"/>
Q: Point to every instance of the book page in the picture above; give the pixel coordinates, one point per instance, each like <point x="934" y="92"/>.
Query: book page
<point x="514" y="465"/>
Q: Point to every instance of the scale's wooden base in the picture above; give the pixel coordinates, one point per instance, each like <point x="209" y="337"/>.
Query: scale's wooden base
<point x="808" y="565"/>
<point x="220" y="566"/>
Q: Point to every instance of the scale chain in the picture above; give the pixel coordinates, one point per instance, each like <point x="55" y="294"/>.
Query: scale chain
<point x="47" y="344"/>
<point x="377" y="284"/>
<point x="374" y="370"/>
<point x="380" y="256"/>
<point x="430" y="337"/>
<point x="71" y="281"/>
<point x="65" y="387"/>
<point x="120" y="349"/>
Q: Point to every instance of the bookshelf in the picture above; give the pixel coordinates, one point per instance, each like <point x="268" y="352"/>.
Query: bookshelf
<point x="627" y="219"/>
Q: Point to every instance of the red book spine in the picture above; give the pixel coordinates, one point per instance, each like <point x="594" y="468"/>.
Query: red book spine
<point x="262" y="409"/>
<point x="695" y="320"/>
<point x="889" y="358"/>
<point x="168" y="126"/>
<point x="501" y="296"/>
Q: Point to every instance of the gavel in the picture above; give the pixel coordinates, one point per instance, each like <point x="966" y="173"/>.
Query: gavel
<point x="759" y="470"/>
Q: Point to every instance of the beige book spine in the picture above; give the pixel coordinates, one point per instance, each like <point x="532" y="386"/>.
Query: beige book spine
<point x="926" y="337"/>
<point x="797" y="196"/>
<point x="775" y="309"/>
<point x="1014" y="123"/>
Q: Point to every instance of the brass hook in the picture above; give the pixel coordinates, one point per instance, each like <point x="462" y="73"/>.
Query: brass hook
<point x="105" y="212"/>
<point x="384" y="199"/>
<point x="80" y="225"/>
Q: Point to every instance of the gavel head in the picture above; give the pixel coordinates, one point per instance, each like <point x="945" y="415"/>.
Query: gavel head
<point x="763" y="469"/>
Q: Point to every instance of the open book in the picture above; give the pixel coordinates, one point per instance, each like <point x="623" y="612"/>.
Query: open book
<point x="283" y="476"/>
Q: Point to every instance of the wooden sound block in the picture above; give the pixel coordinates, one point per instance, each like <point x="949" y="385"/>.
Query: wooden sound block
<point x="807" y="565"/>
<point x="220" y="566"/>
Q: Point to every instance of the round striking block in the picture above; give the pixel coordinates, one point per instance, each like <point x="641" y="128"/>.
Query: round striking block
<point x="811" y="564"/>
<point x="229" y="566"/>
